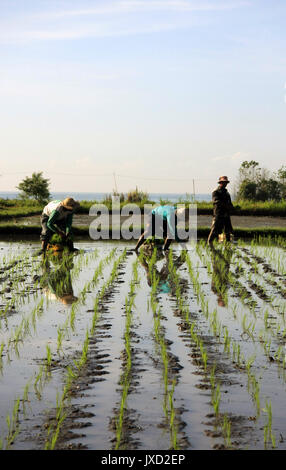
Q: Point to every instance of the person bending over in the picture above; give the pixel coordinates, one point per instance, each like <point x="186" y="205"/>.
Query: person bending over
<point x="57" y="217"/>
<point x="162" y="222"/>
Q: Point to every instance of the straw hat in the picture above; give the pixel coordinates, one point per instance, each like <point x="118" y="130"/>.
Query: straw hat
<point x="223" y="179"/>
<point x="70" y="204"/>
<point x="68" y="299"/>
<point x="181" y="211"/>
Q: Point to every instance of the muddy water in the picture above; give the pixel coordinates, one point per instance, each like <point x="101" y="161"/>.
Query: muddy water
<point x="93" y="406"/>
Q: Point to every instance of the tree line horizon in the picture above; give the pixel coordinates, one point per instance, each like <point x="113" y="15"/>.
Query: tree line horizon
<point x="254" y="183"/>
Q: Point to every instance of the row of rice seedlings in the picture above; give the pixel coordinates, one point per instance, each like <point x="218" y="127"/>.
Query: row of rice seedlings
<point x="270" y="278"/>
<point x="237" y="357"/>
<point x="72" y="375"/>
<point x="126" y="376"/>
<point x="280" y="305"/>
<point x="249" y="327"/>
<point x="25" y="296"/>
<point x="73" y="372"/>
<point x="199" y="344"/>
<point x="12" y="287"/>
<point x="63" y="330"/>
<point x="169" y="385"/>
<point x="23" y="328"/>
<point x="10" y="262"/>
<point x="43" y="373"/>
<point x="12" y="422"/>
<point x="21" y="331"/>
<point x="231" y="347"/>
<point x="253" y="280"/>
<point x="271" y="252"/>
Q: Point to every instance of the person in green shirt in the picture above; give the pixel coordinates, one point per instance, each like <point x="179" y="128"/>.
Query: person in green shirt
<point x="57" y="217"/>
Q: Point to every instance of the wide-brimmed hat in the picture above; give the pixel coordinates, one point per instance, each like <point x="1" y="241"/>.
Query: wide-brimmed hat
<point x="70" y="204"/>
<point x="68" y="299"/>
<point x="181" y="211"/>
<point x="223" y="179"/>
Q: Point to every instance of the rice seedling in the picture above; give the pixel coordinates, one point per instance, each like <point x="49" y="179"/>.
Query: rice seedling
<point x="49" y="357"/>
<point x="226" y="428"/>
<point x="38" y="383"/>
<point x="215" y="399"/>
<point x="25" y="397"/>
<point x="268" y="433"/>
<point x="13" y="424"/>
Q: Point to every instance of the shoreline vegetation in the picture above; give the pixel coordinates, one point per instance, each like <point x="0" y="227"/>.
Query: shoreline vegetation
<point x="13" y="210"/>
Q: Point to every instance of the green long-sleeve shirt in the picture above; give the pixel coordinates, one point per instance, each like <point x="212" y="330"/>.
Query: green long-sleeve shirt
<point x="56" y="213"/>
<point x="52" y="222"/>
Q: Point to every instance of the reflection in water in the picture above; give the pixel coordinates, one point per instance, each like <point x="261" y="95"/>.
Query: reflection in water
<point x="56" y="279"/>
<point x="220" y="278"/>
<point x="149" y="257"/>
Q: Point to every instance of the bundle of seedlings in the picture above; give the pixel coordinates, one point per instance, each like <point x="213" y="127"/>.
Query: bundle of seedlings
<point x="57" y="243"/>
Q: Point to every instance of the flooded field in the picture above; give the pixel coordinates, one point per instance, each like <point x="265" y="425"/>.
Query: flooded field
<point x="107" y="349"/>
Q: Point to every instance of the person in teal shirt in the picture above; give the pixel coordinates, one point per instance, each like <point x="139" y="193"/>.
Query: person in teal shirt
<point x="162" y="223"/>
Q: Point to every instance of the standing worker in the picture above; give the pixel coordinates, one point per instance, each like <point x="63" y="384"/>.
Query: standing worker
<point x="163" y="223"/>
<point x="57" y="218"/>
<point x="222" y="207"/>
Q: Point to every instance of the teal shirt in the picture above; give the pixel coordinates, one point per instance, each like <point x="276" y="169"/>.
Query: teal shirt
<point x="167" y="213"/>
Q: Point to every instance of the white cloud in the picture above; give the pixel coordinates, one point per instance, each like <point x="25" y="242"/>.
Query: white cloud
<point x="235" y="156"/>
<point x="130" y="6"/>
<point x="119" y="18"/>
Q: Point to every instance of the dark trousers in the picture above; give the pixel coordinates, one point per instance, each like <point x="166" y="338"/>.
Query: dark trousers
<point x="46" y="233"/>
<point x="218" y="225"/>
<point x="156" y="226"/>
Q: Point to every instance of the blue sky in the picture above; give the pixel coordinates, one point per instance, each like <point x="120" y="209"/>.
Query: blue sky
<point x="157" y="92"/>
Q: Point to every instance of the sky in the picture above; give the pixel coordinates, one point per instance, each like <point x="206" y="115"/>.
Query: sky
<point x="166" y="95"/>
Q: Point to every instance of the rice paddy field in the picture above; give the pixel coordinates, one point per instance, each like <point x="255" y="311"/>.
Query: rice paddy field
<point x="107" y="349"/>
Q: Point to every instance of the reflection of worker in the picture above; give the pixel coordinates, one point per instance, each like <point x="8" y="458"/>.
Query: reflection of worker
<point x="222" y="207"/>
<point x="56" y="280"/>
<point x="164" y="284"/>
<point x="57" y="218"/>
<point x="162" y="223"/>
<point x="221" y="265"/>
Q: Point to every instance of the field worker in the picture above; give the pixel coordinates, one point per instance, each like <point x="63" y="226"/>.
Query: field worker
<point x="163" y="223"/>
<point x="222" y="207"/>
<point x="57" y="218"/>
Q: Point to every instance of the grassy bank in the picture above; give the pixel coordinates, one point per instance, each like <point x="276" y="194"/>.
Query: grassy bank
<point x="10" y="231"/>
<point x="14" y="208"/>
<point x="250" y="208"/>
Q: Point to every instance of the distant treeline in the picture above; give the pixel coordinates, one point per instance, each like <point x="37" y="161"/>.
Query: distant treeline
<point x="259" y="184"/>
